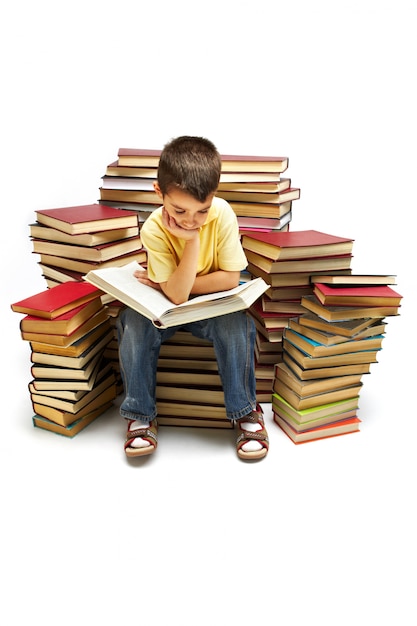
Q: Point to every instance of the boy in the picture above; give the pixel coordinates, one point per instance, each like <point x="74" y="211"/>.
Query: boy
<point x="193" y="247"/>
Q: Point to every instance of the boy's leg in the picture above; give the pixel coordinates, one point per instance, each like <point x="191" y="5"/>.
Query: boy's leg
<point x="139" y="346"/>
<point x="233" y="338"/>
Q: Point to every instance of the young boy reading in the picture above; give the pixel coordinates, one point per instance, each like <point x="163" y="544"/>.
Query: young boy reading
<point x="193" y="247"/>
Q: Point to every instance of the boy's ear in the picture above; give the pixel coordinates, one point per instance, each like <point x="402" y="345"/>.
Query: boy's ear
<point x="157" y="189"/>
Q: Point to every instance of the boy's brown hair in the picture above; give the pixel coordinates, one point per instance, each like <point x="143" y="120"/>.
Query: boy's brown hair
<point x="191" y="164"/>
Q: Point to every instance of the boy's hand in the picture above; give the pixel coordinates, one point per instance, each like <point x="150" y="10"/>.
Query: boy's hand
<point x="142" y="276"/>
<point x="182" y="233"/>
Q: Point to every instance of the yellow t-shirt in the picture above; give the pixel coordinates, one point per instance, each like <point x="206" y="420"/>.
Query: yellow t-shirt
<point x="220" y="246"/>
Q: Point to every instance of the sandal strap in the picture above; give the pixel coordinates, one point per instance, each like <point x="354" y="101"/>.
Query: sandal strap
<point x="247" y="435"/>
<point x="260" y="435"/>
<point x="147" y="432"/>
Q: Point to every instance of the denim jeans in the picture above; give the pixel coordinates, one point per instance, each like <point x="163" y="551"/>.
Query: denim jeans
<point x="233" y="338"/>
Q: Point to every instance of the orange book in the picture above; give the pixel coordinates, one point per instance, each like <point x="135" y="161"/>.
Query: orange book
<point x="56" y="301"/>
<point x="334" y="429"/>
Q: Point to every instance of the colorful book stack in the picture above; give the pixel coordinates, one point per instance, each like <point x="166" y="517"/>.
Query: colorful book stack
<point x="68" y="329"/>
<point x="71" y="241"/>
<point x="189" y="390"/>
<point x="286" y="260"/>
<point x="327" y="350"/>
<point x="252" y="185"/>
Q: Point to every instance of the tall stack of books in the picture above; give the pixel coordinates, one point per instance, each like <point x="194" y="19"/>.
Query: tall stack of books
<point x="286" y="261"/>
<point x="68" y="330"/>
<point x="73" y="240"/>
<point x="327" y="351"/>
<point x="253" y="186"/>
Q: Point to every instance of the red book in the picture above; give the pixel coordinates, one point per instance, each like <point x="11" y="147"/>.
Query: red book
<point x="296" y="244"/>
<point x="377" y="295"/>
<point x="57" y="300"/>
<point x="64" y="324"/>
<point x="88" y="218"/>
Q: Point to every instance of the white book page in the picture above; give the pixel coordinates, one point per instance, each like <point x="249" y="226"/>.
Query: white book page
<point x="151" y="299"/>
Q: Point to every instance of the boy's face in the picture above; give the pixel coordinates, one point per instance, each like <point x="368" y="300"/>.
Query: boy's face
<point x="187" y="212"/>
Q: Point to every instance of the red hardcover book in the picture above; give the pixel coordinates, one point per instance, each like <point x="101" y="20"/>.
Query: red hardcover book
<point x="63" y="324"/>
<point x="296" y="244"/>
<point x="57" y="300"/>
<point x="87" y="218"/>
<point x="378" y="295"/>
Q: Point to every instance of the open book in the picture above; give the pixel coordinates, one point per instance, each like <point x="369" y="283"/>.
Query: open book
<point x="120" y="283"/>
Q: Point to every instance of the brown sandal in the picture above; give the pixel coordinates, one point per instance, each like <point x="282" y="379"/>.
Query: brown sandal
<point x="148" y="433"/>
<point x="260" y="435"/>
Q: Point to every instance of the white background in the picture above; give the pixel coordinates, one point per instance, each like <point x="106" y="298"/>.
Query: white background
<point x="322" y="533"/>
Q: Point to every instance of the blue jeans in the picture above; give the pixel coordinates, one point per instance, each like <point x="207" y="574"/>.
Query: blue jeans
<point x="233" y="338"/>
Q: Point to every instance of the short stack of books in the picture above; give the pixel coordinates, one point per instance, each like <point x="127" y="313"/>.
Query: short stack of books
<point x="189" y="390"/>
<point x="68" y="329"/>
<point x="253" y="186"/>
<point x="286" y="261"/>
<point x="327" y="350"/>
<point x="71" y="241"/>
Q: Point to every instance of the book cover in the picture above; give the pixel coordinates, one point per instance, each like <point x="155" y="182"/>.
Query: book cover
<point x="370" y="295"/>
<point x="52" y="303"/>
<point x="63" y="324"/>
<point x="302" y="265"/>
<point x="297" y="244"/>
<point x="87" y="218"/>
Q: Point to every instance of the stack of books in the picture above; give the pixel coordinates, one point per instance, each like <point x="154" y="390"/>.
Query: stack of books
<point x="68" y="329"/>
<point x="253" y="186"/>
<point x="73" y="240"/>
<point x="189" y="390"/>
<point x="286" y="261"/>
<point x="327" y="350"/>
